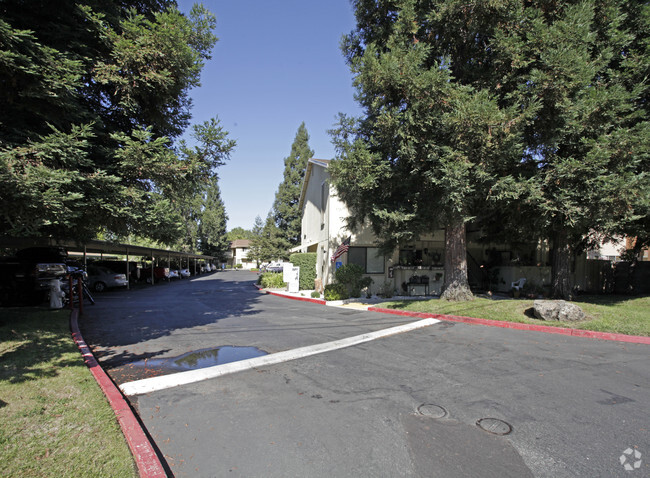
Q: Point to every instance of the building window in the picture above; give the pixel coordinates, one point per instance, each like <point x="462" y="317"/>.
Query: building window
<point x="367" y="257"/>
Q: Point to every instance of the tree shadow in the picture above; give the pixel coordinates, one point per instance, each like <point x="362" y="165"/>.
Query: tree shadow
<point x="126" y="319"/>
<point x="607" y="299"/>
<point x="44" y="344"/>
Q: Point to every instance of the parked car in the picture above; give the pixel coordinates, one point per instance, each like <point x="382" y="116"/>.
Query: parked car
<point x="274" y="267"/>
<point x="159" y="273"/>
<point x="185" y="273"/>
<point x="174" y="274"/>
<point x="27" y="275"/>
<point x="120" y="267"/>
<point x="102" y="278"/>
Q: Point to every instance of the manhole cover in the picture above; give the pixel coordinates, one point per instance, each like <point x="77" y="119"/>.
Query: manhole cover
<point x="494" y="425"/>
<point x="433" y="411"/>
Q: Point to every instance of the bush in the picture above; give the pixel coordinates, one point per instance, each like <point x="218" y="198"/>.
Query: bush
<point x="386" y="290"/>
<point x="315" y="295"/>
<point x="336" y="292"/>
<point x="271" y="280"/>
<point x="307" y="263"/>
<point x="351" y="277"/>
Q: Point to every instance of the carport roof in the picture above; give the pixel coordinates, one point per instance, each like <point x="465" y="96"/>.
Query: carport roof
<point x="99" y="247"/>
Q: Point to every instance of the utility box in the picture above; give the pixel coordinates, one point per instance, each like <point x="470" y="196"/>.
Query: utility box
<point x="291" y="275"/>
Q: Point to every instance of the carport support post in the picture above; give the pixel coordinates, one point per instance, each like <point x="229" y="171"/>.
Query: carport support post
<point x="152" y="267"/>
<point x="70" y="291"/>
<point x="80" y="292"/>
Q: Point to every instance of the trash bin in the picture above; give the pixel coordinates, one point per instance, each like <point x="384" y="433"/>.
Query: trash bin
<point x="56" y="294"/>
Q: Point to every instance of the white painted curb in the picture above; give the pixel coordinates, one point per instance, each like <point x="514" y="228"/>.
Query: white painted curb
<point x="182" y="378"/>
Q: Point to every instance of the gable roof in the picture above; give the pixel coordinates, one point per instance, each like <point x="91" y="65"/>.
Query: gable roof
<point x="238" y="243"/>
<point x="323" y="163"/>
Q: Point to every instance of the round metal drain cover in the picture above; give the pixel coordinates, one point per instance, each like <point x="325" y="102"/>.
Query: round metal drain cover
<point x="494" y="425"/>
<point x="433" y="411"/>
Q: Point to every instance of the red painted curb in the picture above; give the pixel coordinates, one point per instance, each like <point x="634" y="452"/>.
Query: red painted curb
<point x="518" y="326"/>
<point x="147" y="461"/>
<point x="304" y="299"/>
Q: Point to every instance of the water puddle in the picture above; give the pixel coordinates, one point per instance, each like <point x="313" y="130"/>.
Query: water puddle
<point x="218" y="356"/>
<point x="189" y="361"/>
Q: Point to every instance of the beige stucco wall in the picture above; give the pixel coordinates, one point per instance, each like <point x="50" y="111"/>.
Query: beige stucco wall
<point x="323" y="233"/>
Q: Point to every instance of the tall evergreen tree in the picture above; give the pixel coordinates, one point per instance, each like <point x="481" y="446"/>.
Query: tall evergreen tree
<point x="584" y="173"/>
<point x="436" y="132"/>
<point x="255" y="251"/>
<point x="239" y="233"/>
<point x="212" y="227"/>
<point x="92" y="95"/>
<point x="285" y="207"/>
<point x="272" y="244"/>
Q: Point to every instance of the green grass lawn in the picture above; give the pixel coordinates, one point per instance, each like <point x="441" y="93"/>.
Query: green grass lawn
<point x="54" y="418"/>
<point x="617" y="314"/>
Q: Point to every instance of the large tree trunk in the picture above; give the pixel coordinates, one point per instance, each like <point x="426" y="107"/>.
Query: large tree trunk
<point x="456" y="286"/>
<point x="560" y="266"/>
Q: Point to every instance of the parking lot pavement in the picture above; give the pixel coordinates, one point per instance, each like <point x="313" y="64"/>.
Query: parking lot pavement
<point x="403" y="405"/>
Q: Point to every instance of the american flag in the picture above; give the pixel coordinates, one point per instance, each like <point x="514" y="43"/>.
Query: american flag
<point x="342" y="249"/>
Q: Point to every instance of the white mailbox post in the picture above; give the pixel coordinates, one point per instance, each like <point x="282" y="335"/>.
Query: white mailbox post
<point x="291" y="275"/>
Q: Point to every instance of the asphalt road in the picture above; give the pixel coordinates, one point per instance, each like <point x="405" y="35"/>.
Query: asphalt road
<point x="404" y="405"/>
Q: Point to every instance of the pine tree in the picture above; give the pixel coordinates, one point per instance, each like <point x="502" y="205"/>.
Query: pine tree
<point x="239" y="233"/>
<point x="212" y="227"/>
<point x="435" y="132"/>
<point x="92" y="96"/>
<point x="255" y="250"/>
<point x="272" y="245"/>
<point x="285" y="207"/>
<point x="583" y="175"/>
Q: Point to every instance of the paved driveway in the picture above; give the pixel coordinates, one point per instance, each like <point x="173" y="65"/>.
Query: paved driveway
<point x="404" y="405"/>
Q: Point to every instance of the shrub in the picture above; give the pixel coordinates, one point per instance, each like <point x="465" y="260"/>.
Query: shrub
<point x="336" y="291"/>
<point x="386" y="290"/>
<point x="315" y="295"/>
<point x="307" y="263"/>
<point x="271" y="280"/>
<point x="351" y="277"/>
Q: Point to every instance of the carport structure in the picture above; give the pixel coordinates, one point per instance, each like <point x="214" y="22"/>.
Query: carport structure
<point x="106" y="247"/>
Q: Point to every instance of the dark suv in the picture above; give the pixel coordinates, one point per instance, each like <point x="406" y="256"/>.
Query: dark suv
<point x="26" y="276"/>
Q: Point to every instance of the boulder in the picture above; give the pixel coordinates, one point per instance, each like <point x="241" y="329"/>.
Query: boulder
<point x="571" y="313"/>
<point x="547" y="309"/>
<point x="557" y="310"/>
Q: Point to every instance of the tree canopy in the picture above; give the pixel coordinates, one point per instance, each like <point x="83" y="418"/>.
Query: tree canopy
<point x="285" y="207"/>
<point x="435" y="133"/>
<point x="583" y="175"/>
<point x="537" y="110"/>
<point x="93" y="96"/>
<point x="212" y="236"/>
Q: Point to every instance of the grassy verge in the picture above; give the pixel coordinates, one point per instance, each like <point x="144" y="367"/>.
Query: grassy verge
<point x="54" y="419"/>
<point x="621" y="315"/>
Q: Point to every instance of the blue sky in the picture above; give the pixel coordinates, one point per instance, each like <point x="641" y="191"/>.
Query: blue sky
<point x="277" y="63"/>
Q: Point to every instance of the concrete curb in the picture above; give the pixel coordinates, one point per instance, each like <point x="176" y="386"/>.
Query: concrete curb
<point x="146" y="459"/>
<point x="304" y="299"/>
<point x="637" y="339"/>
<point x="519" y="326"/>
